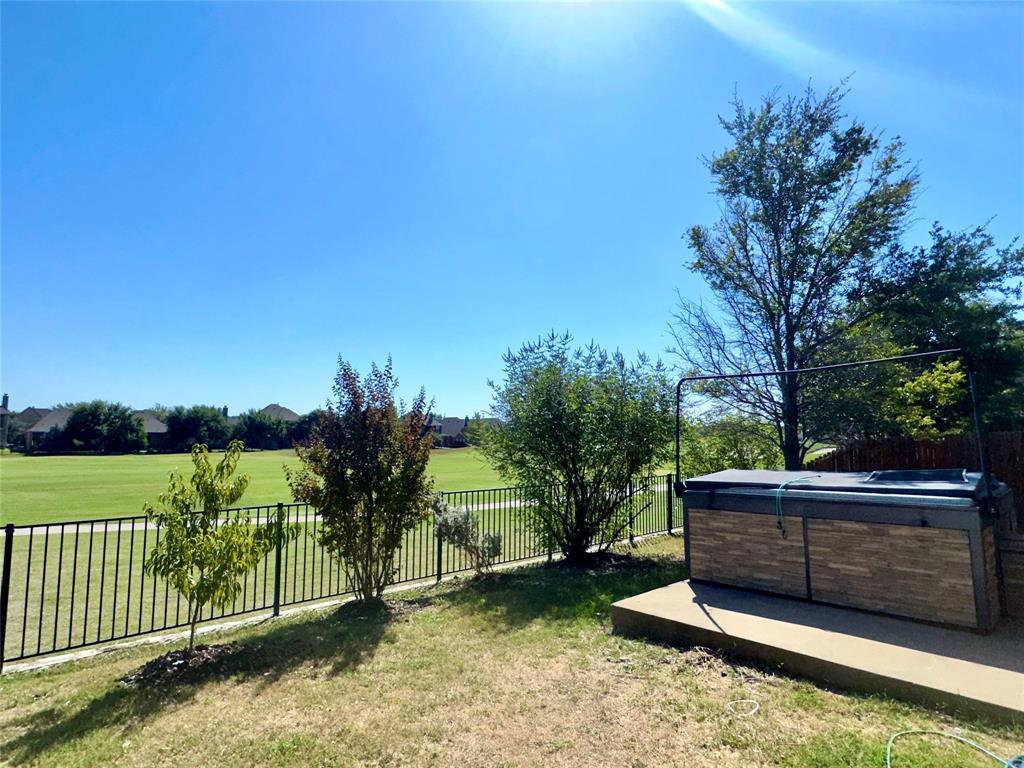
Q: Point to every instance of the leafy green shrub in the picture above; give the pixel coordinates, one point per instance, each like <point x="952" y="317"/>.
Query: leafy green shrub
<point x="200" y="554"/>
<point x="460" y="526"/>
<point x="575" y="427"/>
<point x="729" y="442"/>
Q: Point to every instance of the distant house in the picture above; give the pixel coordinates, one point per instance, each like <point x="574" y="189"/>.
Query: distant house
<point x="156" y="430"/>
<point x="29" y="416"/>
<point x="54" y="418"/>
<point x="277" y="411"/>
<point x="450" y="431"/>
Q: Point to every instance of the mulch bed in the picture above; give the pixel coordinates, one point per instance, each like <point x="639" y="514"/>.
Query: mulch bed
<point x="175" y="665"/>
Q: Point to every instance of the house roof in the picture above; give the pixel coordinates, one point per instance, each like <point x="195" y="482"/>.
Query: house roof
<point x="30" y="415"/>
<point x="152" y="424"/>
<point x="452" y="426"/>
<point x="58" y="417"/>
<point x="277" y="411"/>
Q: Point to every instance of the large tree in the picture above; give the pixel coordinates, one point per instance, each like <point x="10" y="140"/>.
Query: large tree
<point x="196" y="425"/>
<point x="962" y="291"/>
<point x="100" y="427"/>
<point x="576" y="426"/>
<point x="812" y="207"/>
<point x="364" y="467"/>
<point x="262" y="431"/>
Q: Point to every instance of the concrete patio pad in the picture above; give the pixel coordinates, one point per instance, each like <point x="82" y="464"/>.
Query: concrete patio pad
<point x="954" y="669"/>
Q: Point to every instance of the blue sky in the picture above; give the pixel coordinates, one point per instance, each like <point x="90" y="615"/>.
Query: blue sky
<point x="210" y="202"/>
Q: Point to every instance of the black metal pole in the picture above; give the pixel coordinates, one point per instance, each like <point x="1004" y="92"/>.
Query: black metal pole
<point x="279" y="540"/>
<point x="669" y="503"/>
<point x="679" y="391"/>
<point x="632" y="512"/>
<point x="5" y="587"/>
<point x="836" y="366"/>
<point x="979" y="436"/>
<point x="440" y="551"/>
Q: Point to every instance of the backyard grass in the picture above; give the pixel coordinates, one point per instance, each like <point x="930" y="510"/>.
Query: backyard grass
<point x="518" y="670"/>
<point x="36" y="489"/>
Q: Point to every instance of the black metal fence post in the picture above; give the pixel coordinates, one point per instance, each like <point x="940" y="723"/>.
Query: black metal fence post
<point x="632" y="512"/>
<point x="440" y="550"/>
<point x="5" y="587"/>
<point x="670" y="506"/>
<point x="278" y="539"/>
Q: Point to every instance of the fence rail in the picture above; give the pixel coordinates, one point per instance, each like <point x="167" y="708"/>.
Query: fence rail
<point x="69" y="585"/>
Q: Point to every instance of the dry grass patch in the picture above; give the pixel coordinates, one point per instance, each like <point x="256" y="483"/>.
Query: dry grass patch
<point x="517" y="670"/>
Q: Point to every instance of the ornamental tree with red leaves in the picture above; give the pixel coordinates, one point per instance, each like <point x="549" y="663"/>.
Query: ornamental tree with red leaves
<point x="364" y="467"/>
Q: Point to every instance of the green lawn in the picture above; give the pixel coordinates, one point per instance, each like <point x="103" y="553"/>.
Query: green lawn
<point x="43" y="488"/>
<point x="518" y="670"/>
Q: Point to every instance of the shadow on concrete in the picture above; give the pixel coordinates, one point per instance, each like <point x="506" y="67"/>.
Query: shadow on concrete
<point x="1002" y="648"/>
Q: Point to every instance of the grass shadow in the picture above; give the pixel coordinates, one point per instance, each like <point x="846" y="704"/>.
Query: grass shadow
<point x="339" y="641"/>
<point x="348" y="637"/>
<point x="565" y="593"/>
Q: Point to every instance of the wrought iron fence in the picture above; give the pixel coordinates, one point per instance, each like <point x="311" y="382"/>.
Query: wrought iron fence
<point x="68" y="585"/>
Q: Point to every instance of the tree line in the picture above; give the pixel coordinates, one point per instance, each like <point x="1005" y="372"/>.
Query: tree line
<point x="104" y="427"/>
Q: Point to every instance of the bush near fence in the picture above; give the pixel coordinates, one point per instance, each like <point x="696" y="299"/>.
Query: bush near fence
<point x="1006" y="457"/>
<point x="69" y="585"/>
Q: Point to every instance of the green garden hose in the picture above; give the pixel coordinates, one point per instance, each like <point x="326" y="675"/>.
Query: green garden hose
<point x="780" y="522"/>
<point x="1015" y="762"/>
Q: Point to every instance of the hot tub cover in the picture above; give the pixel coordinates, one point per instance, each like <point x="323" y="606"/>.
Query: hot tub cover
<point x="957" y="483"/>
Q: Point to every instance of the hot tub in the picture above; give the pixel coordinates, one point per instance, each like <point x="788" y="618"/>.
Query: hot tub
<point x="914" y="543"/>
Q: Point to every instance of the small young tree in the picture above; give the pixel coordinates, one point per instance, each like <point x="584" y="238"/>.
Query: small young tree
<point x="575" y="427"/>
<point x="200" y="554"/>
<point x="365" y="468"/>
<point x="460" y="526"/>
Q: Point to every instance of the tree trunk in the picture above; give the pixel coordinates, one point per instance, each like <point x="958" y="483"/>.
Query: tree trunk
<point x="370" y="581"/>
<point x="577" y="551"/>
<point x="192" y="628"/>
<point x="790" y="423"/>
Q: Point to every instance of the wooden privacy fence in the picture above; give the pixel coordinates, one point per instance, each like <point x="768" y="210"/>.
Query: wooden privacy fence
<point x="1006" y="457"/>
